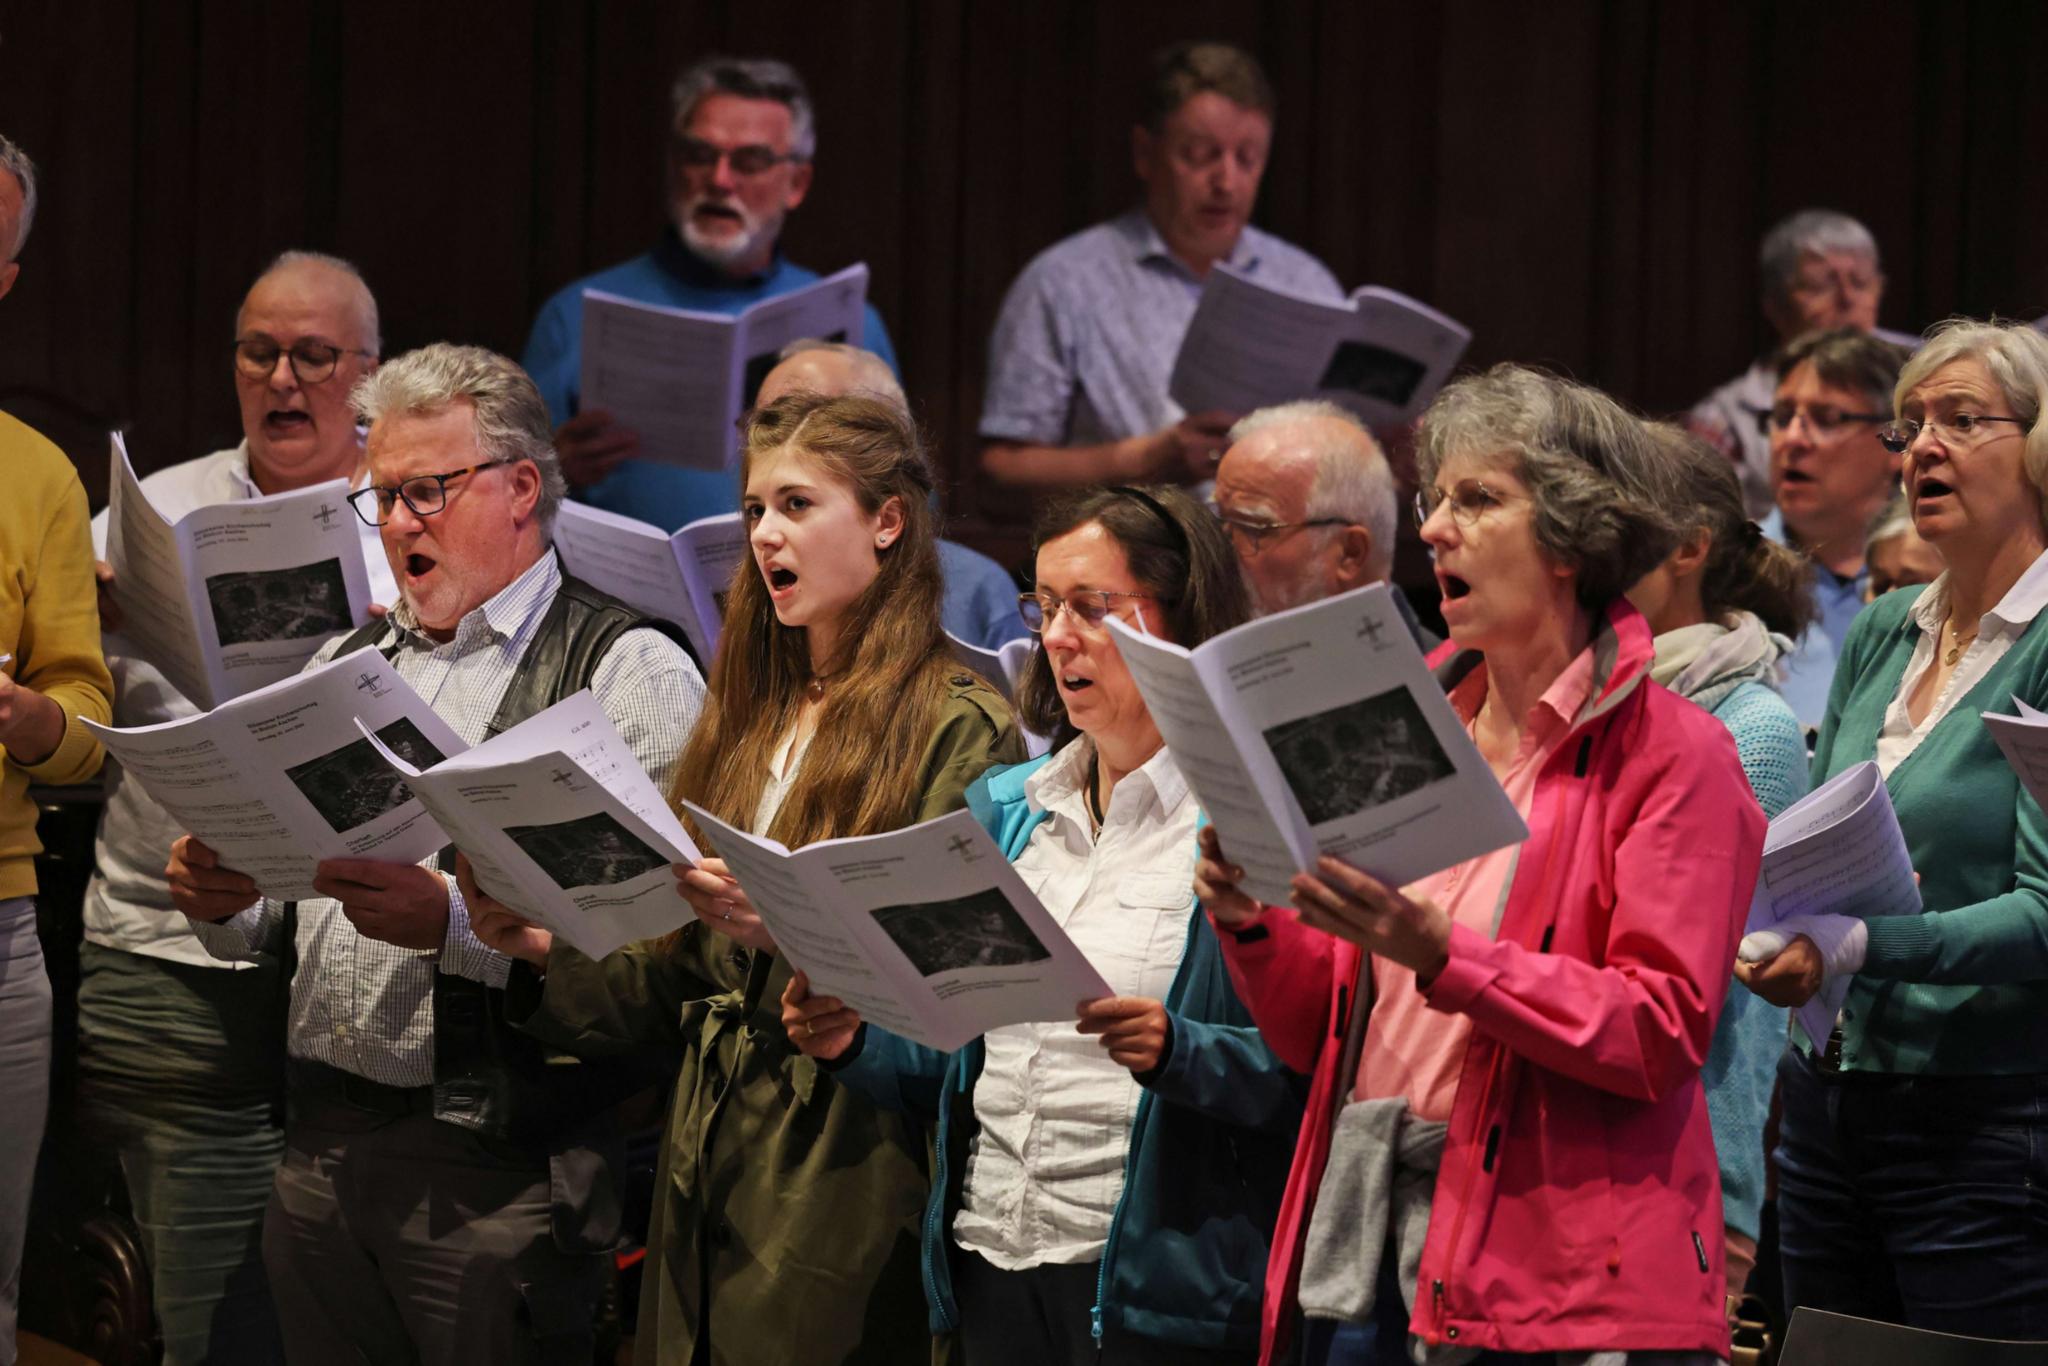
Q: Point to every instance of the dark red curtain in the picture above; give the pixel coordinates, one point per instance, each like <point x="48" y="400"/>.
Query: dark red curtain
<point x="1584" y="182"/>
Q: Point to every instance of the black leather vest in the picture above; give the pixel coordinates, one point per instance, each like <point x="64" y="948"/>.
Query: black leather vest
<point x="488" y="1075"/>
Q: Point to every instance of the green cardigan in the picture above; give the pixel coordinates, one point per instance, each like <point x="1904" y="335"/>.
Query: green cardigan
<point x="1962" y="987"/>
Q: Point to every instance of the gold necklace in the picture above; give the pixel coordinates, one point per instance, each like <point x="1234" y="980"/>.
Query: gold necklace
<point x="1957" y="640"/>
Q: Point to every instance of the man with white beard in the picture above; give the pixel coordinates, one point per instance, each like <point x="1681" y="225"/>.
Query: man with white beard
<point x="739" y="160"/>
<point x="1308" y="501"/>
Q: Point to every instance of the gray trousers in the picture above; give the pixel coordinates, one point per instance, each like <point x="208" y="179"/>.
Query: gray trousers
<point x="181" y="1074"/>
<point x="24" y="1092"/>
<point x="401" y="1239"/>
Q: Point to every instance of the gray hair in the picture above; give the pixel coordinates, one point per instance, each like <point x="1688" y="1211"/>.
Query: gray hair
<point x="876" y="379"/>
<point x="1809" y="232"/>
<point x="366" y="302"/>
<point x="1352" y="479"/>
<point x="1895" y="518"/>
<point x="753" y="78"/>
<point x="511" y="420"/>
<point x="2017" y="357"/>
<point x="15" y="161"/>
<point x="1601" y="482"/>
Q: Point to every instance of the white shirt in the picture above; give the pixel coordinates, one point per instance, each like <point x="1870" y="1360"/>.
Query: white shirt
<point x="1999" y="630"/>
<point x="366" y="1006"/>
<point x="128" y="903"/>
<point x="1046" y="1170"/>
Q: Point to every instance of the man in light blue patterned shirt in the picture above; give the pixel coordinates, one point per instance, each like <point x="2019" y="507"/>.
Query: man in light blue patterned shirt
<point x="1084" y="346"/>
<point x="394" y="1231"/>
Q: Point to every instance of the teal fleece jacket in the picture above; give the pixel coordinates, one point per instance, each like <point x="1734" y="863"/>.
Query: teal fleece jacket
<point x="1209" y="1148"/>
<point x="1962" y="987"/>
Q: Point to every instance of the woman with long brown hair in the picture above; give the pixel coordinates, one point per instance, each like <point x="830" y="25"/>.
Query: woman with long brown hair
<point x="786" y="1214"/>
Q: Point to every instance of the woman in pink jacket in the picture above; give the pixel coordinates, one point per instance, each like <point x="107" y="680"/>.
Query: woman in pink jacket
<point x="1538" y="1016"/>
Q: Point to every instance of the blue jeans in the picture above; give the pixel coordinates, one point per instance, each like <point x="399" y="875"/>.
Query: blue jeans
<point x="1915" y="1200"/>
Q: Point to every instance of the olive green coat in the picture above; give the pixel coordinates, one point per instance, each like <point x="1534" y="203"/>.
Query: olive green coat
<point x="788" y="1204"/>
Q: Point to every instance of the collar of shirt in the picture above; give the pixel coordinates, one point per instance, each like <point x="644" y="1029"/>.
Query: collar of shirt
<point x="673" y="256"/>
<point x="238" y="469"/>
<point x="1826" y="581"/>
<point x="509" y="617"/>
<point x="2013" y="614"/>
<point x="1148" y="246"/>
<point x="1568" y="695"/>
<point x="1057" y="787"/>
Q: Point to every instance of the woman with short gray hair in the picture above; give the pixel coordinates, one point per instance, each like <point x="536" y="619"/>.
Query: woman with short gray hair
<point x="1537" y="1015"/>
<point x="1913" y="1150"/>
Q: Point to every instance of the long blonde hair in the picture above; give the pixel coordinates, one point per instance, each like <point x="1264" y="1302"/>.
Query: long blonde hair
<point x="891" y="667"/>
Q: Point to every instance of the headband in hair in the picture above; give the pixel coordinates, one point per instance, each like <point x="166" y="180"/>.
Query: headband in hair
<point x="1173" y="526"/>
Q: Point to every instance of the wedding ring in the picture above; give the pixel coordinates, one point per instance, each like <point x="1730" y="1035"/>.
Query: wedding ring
<point x="809" y="1029"/>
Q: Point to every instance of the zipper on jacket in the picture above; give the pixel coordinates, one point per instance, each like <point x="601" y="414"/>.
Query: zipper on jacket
<point x="1548" y="931"/>
<point x="1585" y="757"/>
<point x="1343" y="1011"/>
<point x="1700" y="1250"/>
<point x="1492" y="1148"/>
<point x="935" y="1207"/>
<point x="1436" y="1310"/>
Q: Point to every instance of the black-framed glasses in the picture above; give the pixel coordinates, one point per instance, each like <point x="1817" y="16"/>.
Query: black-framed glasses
<point x="754" y="158"/>
<point x="1087" y="606"/>
<point x="1824" y="420"/>
<point x="425" y="494"/>
<point x="1250" y="537"/>
<point x="1468" y="502"/>
<point x="311" y="361"/>
<point x="1960" y="429"/>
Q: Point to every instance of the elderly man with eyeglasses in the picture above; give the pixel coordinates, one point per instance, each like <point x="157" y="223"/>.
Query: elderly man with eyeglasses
<point x="1819" y="270"/>
<point x="179" y="1053"/>
<point x="1308" y="501"/>
<point x="448" y="1190"/>
<point x="741" y="139"/>
<point x="1831" y="475"/>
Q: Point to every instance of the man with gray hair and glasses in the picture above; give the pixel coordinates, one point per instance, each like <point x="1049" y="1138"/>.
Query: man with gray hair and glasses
<point x="742" y="136"/>
<point x="1308" y="500"/>
<point x="1819" y="270"/>
<point x="51" y="678"/>
<point x="448" y="1189"/>
<point x="179" y="1056"/>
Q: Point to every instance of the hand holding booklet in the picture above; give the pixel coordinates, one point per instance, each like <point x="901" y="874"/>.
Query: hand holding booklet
<point x="1836" y="851"/>
<point x="927" y="932"/>
<point x="2024" y="740"/>
<point x="281" y="778"/>
<point x="681" y="379"/>
<point x="681" y="577"/>
<point x="1380" y="353"/>
<point x="234" y="596"/>
<point x="561" y="823"/>
<point x="1320" y="730"/>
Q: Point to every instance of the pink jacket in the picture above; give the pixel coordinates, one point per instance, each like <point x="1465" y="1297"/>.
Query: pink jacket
<point x="1578" y="1205"/>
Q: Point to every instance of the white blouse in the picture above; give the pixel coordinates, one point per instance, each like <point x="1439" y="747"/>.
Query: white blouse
<point x="1046" y="1169"/>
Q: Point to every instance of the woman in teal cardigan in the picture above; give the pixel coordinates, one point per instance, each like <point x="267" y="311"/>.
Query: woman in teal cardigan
<point x="1913" y="1154"/>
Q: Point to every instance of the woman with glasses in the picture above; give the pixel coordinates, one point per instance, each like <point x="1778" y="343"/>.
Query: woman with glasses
<point x="787" y="1207"/>
<point x="1913" y="1153"/>
<point x="1724" y="606"/>
<point x="1105" y="1186"/>
<point x="1506" y="1147"/>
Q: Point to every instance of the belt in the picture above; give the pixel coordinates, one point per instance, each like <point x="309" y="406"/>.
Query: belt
<point x="309" y="1078"/>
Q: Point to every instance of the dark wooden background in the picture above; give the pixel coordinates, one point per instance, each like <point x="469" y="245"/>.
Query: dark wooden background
<point x="1582" y="181"/>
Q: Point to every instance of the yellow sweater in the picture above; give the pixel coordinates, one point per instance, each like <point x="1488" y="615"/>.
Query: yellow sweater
<point x="50" y="622"/>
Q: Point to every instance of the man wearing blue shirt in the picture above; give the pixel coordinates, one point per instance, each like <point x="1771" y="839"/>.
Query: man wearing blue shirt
<point x="739" y="160"/>
<point x="1084" y="347"/>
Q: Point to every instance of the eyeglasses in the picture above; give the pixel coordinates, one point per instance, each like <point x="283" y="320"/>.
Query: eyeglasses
<point x="753" y="159"/>
<point x="1823" y="420"/>
<point x="425" y="494"/>
<point x="311" y="361"/>
<point x="1087" y="607"/>
<point x="1959" y="429"/>
<point x="1249" y="538"/>
<point x="1468" y="502"/>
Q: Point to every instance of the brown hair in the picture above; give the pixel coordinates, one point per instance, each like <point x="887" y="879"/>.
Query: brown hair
<point x="1745" y="571"/>
<point x="1185" y="70"/>
<point x="892" y="660"/>
<point x="1177" y="552"/>
<point x="1846" y="358"/>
